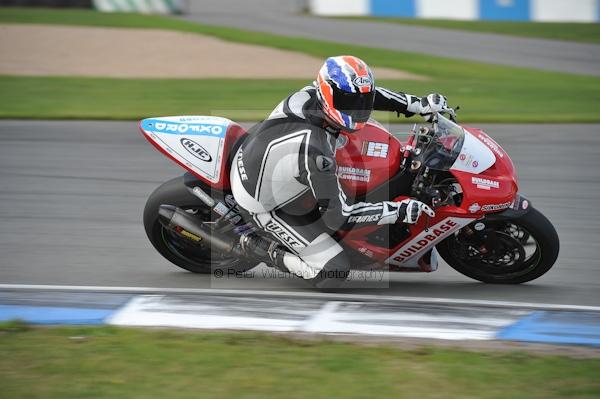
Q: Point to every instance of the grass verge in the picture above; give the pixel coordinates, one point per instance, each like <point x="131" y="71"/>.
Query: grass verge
<point x="98" y="362"/>
<point x="127" y="99"/>
<point x="577" y="32"/>
<point x="486" y="93"/>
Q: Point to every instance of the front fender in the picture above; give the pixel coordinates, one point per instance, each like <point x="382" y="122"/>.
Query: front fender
<point x="520" y="207"/>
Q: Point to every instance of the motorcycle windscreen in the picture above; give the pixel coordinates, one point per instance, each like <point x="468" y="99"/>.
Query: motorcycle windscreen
<point x="195" y="142"/>
<point x="475" y="157"/>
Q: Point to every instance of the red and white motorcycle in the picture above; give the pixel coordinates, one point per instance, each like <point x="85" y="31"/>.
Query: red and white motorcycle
<point x="483" y="227"/>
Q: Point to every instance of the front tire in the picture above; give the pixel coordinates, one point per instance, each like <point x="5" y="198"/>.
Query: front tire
<point x="525" y="248"/>
<point x="196" y="258"/>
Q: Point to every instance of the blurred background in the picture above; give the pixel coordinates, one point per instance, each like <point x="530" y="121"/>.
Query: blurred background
<point x="495" y="10"/>
<point x="76" y="76"/>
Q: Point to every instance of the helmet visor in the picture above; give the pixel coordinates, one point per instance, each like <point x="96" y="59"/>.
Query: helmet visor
<point x="356" y="105"/>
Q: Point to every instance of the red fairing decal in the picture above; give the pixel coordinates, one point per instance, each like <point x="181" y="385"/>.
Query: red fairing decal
<point x="427" y="238"/>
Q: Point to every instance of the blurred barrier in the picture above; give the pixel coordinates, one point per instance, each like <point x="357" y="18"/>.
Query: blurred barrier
<point x="46" y="3"/>
<point x="142" y="6"/>
<point x="502" y="10"/>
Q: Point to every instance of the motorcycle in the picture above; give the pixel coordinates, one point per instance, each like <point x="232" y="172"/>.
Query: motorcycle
<point x="483" y="227"/>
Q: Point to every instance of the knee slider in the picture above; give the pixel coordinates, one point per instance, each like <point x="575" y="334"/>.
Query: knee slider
<point x="334" y="273"/>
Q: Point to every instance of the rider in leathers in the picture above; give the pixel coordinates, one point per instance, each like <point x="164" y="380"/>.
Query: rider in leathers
<point x="284" y="174"/>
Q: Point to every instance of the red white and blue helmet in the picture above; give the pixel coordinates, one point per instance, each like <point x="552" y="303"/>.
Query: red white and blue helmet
<point x="346" y="91"/>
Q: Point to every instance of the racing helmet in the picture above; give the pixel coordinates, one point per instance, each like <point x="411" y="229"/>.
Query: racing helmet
<point x="346" y="92"/>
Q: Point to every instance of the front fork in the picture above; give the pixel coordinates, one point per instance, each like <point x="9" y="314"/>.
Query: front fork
<point x="486" y="239"/>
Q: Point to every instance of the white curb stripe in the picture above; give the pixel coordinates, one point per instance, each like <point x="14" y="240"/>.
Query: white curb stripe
<point x="307" y="295"/>
<point x="334" y="317"/>
<point x="164" y="311"/>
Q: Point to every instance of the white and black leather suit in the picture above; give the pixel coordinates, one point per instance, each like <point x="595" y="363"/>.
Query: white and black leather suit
<point x="284" y="175"/>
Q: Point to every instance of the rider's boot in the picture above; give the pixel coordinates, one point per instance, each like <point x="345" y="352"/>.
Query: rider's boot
<point x="264" y="250"/>
<point x="331" y="275"/>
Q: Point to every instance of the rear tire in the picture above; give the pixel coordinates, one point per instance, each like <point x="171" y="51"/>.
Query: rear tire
<point x="177" y="250"/>
<point x="510" y="264"/>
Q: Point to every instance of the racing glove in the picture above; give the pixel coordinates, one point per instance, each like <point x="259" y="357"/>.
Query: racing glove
<point x="406" y="211"/>
<point x="431" y="104"/>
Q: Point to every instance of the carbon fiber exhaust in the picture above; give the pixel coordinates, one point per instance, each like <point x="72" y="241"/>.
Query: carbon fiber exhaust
<point x="184" y="224"/>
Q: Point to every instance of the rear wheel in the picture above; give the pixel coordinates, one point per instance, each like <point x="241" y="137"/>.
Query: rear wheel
<point x="196" y="258"/>
<point x="503" y="252"/>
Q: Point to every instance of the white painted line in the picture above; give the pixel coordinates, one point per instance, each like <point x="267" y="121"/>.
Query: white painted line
<point x="335" y="318"/>
<point x="308" y="295"/>
<point x="334" y="327"/>
<point x="332" y="317"/>
<point x="314" y="323"/>
<point x="162" y="311"/>
<point x="412" y="318"/>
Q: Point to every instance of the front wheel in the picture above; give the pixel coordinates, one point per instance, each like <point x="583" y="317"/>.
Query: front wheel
<point x="504" y="251"/>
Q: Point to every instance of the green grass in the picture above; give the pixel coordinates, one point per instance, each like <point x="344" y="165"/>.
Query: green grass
<point x="577" y="32"/>
<point x="127" y="99"/>
<point x="486" y="93"/>
<point x="103" y="362"/>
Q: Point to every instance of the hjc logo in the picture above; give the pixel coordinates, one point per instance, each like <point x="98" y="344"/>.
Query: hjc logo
<point x="196" y="150"/>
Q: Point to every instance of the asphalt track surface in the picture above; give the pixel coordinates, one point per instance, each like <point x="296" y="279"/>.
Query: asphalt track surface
<point x="284" y="18"/>
<point x="72" y="195"/>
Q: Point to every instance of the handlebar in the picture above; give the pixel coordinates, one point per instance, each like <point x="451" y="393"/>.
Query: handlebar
<point x="450" y="111"/>
<point x="413" y="147"/>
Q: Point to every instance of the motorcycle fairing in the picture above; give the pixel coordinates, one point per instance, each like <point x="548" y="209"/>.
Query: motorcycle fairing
<point x="195" y="142"/>
<point x="489" y="190"/>
<point x="475" y="157"/>
<point x="412" y="250"/>
<point x="360" y="173"/>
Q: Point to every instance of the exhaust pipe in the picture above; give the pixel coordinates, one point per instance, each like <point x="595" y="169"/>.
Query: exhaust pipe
<point x="181" y="222"/>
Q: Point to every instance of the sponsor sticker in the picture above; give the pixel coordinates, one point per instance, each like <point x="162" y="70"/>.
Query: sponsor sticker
<point x="366" y="252"/>
<point x="496" y="207"/>
<point x="479" y="226"/>
<point x="474" y="208"/>
<point x="484" y="184"/>
<point x="425" y="240"/>
<point x="491" y="144"/>
<point x="196" y="142"/>
<point x="355" y="174"/>
<point x="223" y="210"/>
<point x="188" y="235"/>
<point x="183" y="128"/>
<point x="363" y="219"/>
<point x="196" y="149"/>
<point x="374" y="149"/>
<point x="467" y="160"/>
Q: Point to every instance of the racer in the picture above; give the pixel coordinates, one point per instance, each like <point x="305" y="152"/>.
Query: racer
<point x="284" y="174"/>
